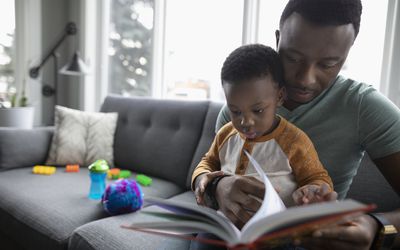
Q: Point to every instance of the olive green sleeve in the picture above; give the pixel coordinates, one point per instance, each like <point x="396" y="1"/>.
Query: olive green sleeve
<point x="223" y="118"/>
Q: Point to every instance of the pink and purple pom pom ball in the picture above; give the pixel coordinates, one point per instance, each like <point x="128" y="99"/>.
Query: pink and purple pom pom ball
<point x="122" y="196"/>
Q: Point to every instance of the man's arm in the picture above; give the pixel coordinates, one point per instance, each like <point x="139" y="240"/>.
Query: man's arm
<point x="360" y="232"/>
<point x="390" y="168"/>
<point x="379" y="124"/>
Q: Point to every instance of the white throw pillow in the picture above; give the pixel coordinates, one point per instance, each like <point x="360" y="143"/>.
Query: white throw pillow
<point x="82" y="137"/>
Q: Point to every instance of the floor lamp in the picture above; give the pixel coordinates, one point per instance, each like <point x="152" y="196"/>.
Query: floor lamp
<point x="74" y="67"/>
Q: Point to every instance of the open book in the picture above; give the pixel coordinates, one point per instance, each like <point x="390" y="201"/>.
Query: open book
<point x="272" y="225"/>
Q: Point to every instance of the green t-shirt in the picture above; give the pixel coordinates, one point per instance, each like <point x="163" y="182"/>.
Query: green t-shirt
<point x="343" y="122"/>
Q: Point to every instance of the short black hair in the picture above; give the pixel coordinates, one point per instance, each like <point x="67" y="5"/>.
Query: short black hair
<point x="326" y="12"/>
<point x="250" y="62"/>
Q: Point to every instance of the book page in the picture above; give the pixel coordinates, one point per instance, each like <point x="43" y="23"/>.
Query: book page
<point x="183" y="227"/>
<point x="193" y="212"/>
<point x="272" y="203"/>
<point x="294" y="218"/>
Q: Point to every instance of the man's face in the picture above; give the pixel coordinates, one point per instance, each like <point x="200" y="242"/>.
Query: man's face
<point x="312" y="56"/>
<point x="252" y="105"/>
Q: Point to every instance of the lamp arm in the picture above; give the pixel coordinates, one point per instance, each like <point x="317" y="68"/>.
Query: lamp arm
<point x="70" y="29"/>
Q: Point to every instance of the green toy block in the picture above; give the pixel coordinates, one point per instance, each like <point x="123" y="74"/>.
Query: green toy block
<point x="144" y="180"/>
<point x="125" y="174"/>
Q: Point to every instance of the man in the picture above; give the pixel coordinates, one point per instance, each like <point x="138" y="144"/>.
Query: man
<point x="342" y="117"/>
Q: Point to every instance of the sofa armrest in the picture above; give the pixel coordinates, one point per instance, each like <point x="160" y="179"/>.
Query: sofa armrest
<point x="24" y="147"/>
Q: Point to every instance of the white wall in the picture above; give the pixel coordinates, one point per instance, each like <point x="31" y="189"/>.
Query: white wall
<point x="28" y="44"/>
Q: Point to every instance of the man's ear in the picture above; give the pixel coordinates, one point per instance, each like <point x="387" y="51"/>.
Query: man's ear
<point x="281" y="96"/>
<point x="277" y="35"/>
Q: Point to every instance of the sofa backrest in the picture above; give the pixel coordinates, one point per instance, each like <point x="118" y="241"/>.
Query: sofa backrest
<point x="369" y="186"/>
<point x="162" y="138"/>
<point x="206" y="138"/>
<point x="24" y="147"/>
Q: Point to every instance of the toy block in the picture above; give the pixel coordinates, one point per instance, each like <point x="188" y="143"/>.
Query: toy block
<point x="72" y="168"/>
<point x="125" y="174"/>
<point x="113" y="173"/>
<point x="144" y="180"/>
<point x="44" y="170"/>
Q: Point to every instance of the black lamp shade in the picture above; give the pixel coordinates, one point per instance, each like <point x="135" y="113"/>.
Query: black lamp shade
<point x="75" y="67"/>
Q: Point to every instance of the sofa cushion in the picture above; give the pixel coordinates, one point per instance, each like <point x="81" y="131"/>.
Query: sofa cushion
<point x="107" y="234"/>
<point x="46" y="209"/>
<point x="157" y="137"/>
<point x="82" y="137"/>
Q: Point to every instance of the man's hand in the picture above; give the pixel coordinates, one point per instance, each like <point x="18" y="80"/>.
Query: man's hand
<point x="356" y="234"/>
<point x="238" y="196"/>
<point x="202" y="183"/>
<point x="313" y="193"/>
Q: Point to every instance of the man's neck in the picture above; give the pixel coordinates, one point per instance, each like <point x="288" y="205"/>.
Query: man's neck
<point x="291" y="105"/>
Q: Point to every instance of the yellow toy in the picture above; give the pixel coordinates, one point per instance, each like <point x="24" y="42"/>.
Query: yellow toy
<point x="45" y="170"/>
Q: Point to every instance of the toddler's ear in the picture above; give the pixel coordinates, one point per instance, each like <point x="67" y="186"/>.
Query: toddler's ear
<point x="281" y="96"/>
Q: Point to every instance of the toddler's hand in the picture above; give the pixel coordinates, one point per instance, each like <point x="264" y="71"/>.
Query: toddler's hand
<point x="313" y="193"/>
<point x="202" y="184"/>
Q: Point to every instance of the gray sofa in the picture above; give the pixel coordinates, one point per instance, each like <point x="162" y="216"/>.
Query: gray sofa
<point x="164" y="139"/>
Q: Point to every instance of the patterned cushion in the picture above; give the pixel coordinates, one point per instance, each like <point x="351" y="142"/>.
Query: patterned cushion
<point x="82" y="137"/>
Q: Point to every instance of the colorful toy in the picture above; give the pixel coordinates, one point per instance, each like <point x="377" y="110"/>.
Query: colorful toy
<point x="144" y="180"/>
<point x="122" y="196"/>
<point x="113" y="173"/>
<point x="45" y="170"/>
<point x="124" y="174"/>
<point x="72" y="168"/>
<point x="98" y="171"/>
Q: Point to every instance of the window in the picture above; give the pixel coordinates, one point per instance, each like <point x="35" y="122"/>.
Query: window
<point x="199" y="36"/>
<point x="189" y="40"/>
<point x="7" y="29"/>
<point x="370" y="41"/>
<point x="270" y="13"/>
<point x="197" y="40"/>
<point x="130" y="47"/>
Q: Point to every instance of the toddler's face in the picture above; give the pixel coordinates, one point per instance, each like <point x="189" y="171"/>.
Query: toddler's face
<point x="253" y="105"/>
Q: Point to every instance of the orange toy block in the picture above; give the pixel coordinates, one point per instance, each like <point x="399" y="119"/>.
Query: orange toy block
<point x="72" y="168"/>
<point x="113" y="173"/>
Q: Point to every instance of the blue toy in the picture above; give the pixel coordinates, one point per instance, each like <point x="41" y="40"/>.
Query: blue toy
<point x="122" y="196"/>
